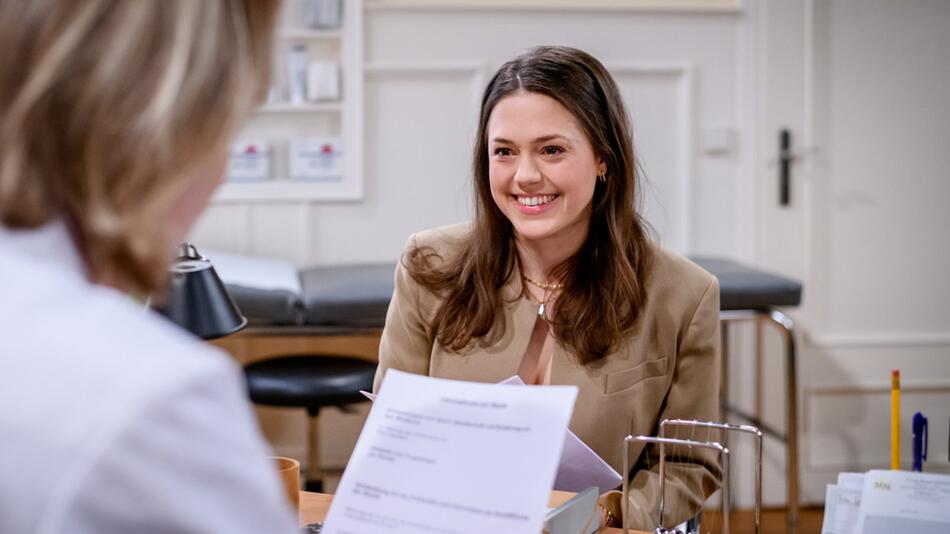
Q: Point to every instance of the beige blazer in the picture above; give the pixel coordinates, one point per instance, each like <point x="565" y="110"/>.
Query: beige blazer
<point x="668" y="367"/>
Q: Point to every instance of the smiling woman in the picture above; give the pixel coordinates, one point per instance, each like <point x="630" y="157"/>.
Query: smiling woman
<point x="555" y="279"/>
<point x="542" y="172"/>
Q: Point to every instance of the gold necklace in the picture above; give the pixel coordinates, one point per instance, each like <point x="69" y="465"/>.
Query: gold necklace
<point x="545" y="287"/>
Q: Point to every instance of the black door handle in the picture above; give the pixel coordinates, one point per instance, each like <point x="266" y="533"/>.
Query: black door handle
<point x="785" y="166"/>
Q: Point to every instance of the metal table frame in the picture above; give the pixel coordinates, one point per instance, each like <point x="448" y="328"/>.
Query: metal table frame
<point x="785" y="327"/>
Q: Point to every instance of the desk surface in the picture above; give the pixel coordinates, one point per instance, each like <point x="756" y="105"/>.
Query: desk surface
<point x="314" y="506"/>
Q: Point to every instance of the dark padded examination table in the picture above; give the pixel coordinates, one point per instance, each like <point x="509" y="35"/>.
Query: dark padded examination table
<point x="336" y="299"/>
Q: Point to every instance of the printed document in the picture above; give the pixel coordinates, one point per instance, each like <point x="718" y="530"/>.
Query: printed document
<point x="904" y="501"/>
<point x="842" y="502"/>
<point x="453" y="457"/>
<point x="841" y="509"/>
<point x="580" y="467"/>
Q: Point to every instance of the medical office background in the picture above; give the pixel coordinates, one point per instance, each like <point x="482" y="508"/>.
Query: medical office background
<point x="861" y="86"/>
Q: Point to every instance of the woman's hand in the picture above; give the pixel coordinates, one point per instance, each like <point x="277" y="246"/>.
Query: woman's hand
<point x="608" y="505"/>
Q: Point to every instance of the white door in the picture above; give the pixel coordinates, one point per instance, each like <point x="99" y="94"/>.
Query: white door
<point x="863" y="88"/>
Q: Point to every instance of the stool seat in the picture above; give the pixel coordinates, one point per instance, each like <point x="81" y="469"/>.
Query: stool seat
<point x="309" y="381"/>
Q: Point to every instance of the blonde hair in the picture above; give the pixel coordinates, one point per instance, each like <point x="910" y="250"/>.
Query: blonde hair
<point x="105" y="107"/>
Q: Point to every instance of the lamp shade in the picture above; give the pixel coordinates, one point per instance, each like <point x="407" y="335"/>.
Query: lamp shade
<point x="197" y="299"/>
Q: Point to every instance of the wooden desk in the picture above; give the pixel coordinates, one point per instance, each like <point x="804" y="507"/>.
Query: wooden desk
<point x="314" y="506"/>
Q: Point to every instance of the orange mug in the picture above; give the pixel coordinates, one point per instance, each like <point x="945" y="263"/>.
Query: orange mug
<point x="289" y="471"/>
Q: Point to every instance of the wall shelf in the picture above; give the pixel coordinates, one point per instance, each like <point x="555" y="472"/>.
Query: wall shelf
<point x="283" y="191"/>
<point x="310" y="35"/>
<point x="309" y="107"/>
<point x="277" y="124"/>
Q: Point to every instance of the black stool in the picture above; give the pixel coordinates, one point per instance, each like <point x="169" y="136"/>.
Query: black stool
<point x="750" y="294"/>
<point x="313" y="382"/>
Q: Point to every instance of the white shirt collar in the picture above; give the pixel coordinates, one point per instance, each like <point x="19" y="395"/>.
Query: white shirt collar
<point x="50" y="244"/>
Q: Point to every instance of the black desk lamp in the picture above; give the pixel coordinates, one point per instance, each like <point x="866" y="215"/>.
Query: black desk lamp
<point x="197" y="299"/>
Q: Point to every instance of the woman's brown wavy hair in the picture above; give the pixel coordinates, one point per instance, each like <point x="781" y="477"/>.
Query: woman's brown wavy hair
<point x="604" y="280"/>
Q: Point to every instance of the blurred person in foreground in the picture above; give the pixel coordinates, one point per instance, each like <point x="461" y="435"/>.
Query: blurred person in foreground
<point x="115" y="117"/>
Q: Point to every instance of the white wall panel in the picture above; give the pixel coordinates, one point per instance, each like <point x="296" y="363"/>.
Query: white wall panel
<point x="660" y="105"/>
<point x="419" y="127"/>
<point x="223" y="227"/>
<point x="888" y="176"/>
<point x="279" y="231"/>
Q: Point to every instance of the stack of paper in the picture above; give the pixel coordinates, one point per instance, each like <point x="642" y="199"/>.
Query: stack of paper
<point x="842" y="502"/>
<point x="885" y="502"/>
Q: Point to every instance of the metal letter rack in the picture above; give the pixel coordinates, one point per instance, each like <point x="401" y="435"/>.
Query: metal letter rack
<point x="726" y="427"/>
<point x="662" y="441"/>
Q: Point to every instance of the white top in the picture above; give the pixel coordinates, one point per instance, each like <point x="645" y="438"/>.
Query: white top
<point x="111" y="419"/>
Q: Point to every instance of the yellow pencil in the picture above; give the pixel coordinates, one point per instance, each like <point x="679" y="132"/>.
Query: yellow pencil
<point x="895" y="419"/>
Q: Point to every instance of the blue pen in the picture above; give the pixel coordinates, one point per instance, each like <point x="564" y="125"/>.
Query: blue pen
<point x="920" y="441"/>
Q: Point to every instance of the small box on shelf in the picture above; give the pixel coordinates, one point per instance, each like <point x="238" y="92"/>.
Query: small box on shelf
<point x="323" y="81"/>
<point x="249" y="161"/>
<point x="316" y="159"/>
<point x="323" y="14"/>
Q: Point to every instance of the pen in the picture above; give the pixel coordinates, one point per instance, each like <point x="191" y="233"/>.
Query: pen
<point x="920" y="441"/>
<point x="896" y="419"/>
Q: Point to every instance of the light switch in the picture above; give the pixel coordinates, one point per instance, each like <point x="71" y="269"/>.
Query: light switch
<point x="718" y="140"/>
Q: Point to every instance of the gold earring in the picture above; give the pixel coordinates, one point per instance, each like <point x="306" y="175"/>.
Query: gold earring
<point x="602" y="177"/>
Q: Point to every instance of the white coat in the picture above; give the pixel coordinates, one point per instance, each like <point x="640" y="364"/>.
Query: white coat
<point x="111" y="419"/>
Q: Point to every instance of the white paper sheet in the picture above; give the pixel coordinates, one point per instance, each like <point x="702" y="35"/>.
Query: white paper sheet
<point x="904" y="501"/>
<point x="841" y="509"/>
<point x="851" y="480"/>
<point x="580" y="467"/>
<point x="453" y="457"/>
